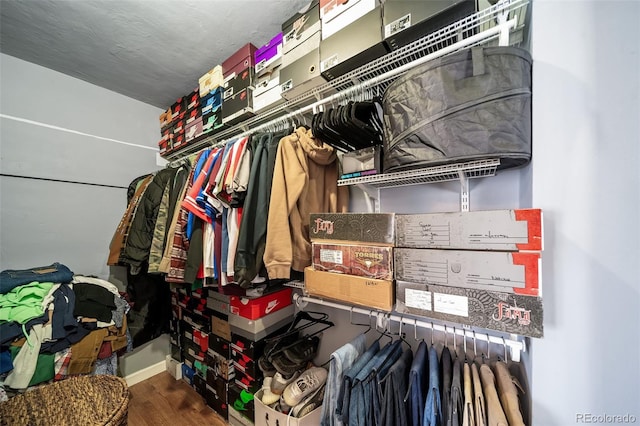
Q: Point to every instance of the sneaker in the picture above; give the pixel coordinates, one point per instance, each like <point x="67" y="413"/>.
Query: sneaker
<point x="303" y="350"/>
<point x="280" y="382"/>
<point x="268" y="370"/>
<point x="309" y="404"/>
<point x="268" y="397"/>
<point x="308" y="382"/>
<point x="285" y="366"/>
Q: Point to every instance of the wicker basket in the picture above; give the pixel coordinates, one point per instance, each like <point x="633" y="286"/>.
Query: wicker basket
<point x="81" y="401"/>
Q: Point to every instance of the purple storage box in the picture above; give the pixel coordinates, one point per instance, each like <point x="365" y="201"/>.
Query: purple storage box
<point x="269" y="53"/>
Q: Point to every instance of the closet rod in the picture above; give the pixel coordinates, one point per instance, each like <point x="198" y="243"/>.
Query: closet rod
<point x="515" y="346"/>
<point x="500" y="29"/>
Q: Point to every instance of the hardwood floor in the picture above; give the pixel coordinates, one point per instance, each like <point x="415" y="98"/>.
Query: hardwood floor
<point x="163" y="400"/>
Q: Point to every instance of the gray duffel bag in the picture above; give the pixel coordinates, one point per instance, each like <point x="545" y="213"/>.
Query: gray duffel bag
<point x="473" y="104"/>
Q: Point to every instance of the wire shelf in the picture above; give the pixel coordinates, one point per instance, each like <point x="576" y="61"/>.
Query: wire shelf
<point x="502" y="23"/>
<point x="450" y="172"/>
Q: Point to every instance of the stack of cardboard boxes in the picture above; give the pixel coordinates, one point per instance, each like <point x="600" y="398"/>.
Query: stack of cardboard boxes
<point x="480" y="269"/>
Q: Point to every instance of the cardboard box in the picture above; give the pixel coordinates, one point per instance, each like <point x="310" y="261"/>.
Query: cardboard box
<point x="507" y="272"/>
<point x="216" y="397"/>
<point x="211" y="81"/>
<point x="178" y="109"/>
<point x="361" y="260"/>
<point x="504" y="312"/>
<point x="261" y="306"/>
<point x="265" y="415"/>
<point x="331" y="258"/>
<point x="238" y="82"/>
<point x="238" y="107"/>
<point x="267" y="91"/>
<point x="504" y="230"/>
<point x="301" y="76"/>
<point x="362" y="291"/>
<point x="240" y="60"/>
<point x="406" y="21"/>
<point x="243" y="411"/>
<point x="353" y="46"/>
<point x="193" y="130"/>
<point x="369" y="228"/>
<point x="269" y="55"/>
<point x="220" y="326"/>
<point x="301" y="26"/>
<point x="166" y="118"/>
<point x="213" y="101"/>
<point x="193" y="99"/>
<point x="344" y="14"/>
<point x="193" y="114"/>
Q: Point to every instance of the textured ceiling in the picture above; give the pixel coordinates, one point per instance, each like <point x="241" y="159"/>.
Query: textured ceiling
<point x="150" y="50"/>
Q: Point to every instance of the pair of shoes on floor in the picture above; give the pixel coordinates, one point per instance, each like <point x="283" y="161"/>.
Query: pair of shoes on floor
<point x="295" y="356"/>
<point x="305" y="385"/>
<point x="273" y="348"/>
<point x="309" y="404"/>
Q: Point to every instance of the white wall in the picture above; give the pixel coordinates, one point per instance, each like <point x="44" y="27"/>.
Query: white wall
<point x="586" y="177"/>
<point x="58" y="127"/>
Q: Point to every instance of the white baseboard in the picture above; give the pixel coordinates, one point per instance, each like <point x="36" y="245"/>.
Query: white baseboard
<point x="145" y="373"/>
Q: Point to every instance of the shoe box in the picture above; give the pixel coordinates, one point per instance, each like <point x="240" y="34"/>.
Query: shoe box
<point x="236" y="418"/>
<point x="261" y="327"/>
<point x="353" y="259"/>
<point x="212" y="102"/>
<point x="193" y="100"/>
<point x="237" y="82"/>
<point x="174" y="367"/>
<point x="365" y="228"/>
<point x="193" y="114"/>
<point x="362" y="162"/>
<point x="163" y="147"/>
<point x="242" y="59"/>
<point x="193" y="130"/>
<point x="254" y="308"/>
<point x="298" y="29"/>
<point x="211" y="81"/>
<point x="504" y="272"/>
<point x="504" y="312"/>
<point x="362" y="291"/>
<point x="353" y="46"/>
<point x="219" y="358"/>
<point x="166" y="118"/>
<point x="199" y="384"/>
<point x="197" y="319"/>
<point x="220" y="325"/>
<point x="216" y="396"/>
<point x="336" y="15"/>
<point x="212" y="122"/>
<point x="218" y="302"/>
<point x="267" y="91"/>
<point x="178" y="109"/>
<point x="188" y="373"/>
<point x="238" y="107"/>
<point x="241" y="405"/>
<point x="503" y="230"/>
<point x="178" y="141"/>
<point x="266" y="416"/>
<point x="253" y="348"/>
<point x="301" y="75"/>
<point x="268" y="56"/>
<point x="406" y="21"/>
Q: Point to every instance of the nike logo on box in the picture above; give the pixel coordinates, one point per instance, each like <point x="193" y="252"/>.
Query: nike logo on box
<point x="271" y="306"/>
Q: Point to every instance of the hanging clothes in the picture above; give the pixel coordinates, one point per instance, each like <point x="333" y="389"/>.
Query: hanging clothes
<point x="348" y="381"/>
<point x="479" y="405"/>
<point x="304" y="181"/>
<point x="446" y="365"/>
<point x="340" y="361"/>
<point x="433" y="404"/>
<point x="394" y="409"/>
<point x="495" y="413"/>
<point x="418" y="380"/>
<point x="468" y="418"/>
<point x="375" y="388"/>
<point x="508" y="394"/>
<point x="456" y="401"/>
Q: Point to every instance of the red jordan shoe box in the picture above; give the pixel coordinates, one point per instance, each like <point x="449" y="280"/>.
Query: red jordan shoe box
<point x="261" y="306"/>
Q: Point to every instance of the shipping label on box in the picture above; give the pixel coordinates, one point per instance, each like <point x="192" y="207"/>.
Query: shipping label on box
<point x="331" y="258"/>
<point x="368" y="292"/>
<point x="504" y="230"/>
<point x="496" y="271"/>
<point x="377" y="228"/>
<point x="505" y="312"/>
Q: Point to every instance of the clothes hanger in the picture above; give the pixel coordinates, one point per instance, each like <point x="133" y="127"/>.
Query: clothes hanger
<point x="363" y="325"/>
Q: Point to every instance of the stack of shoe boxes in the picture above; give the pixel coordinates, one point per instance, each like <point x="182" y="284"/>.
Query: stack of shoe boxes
<point x="211" y="88"/>
<point x="268" y="59"/>
<point x="166" y="132"/>
<point x="178" y="112"/>
<point x="352" y="258"/>
<point x="220" y="372"/>
<point x="301" y="52"/>
<point x="193" y="117"/>
<point x="351" y="35"/>
<point x="238" y="71"/>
